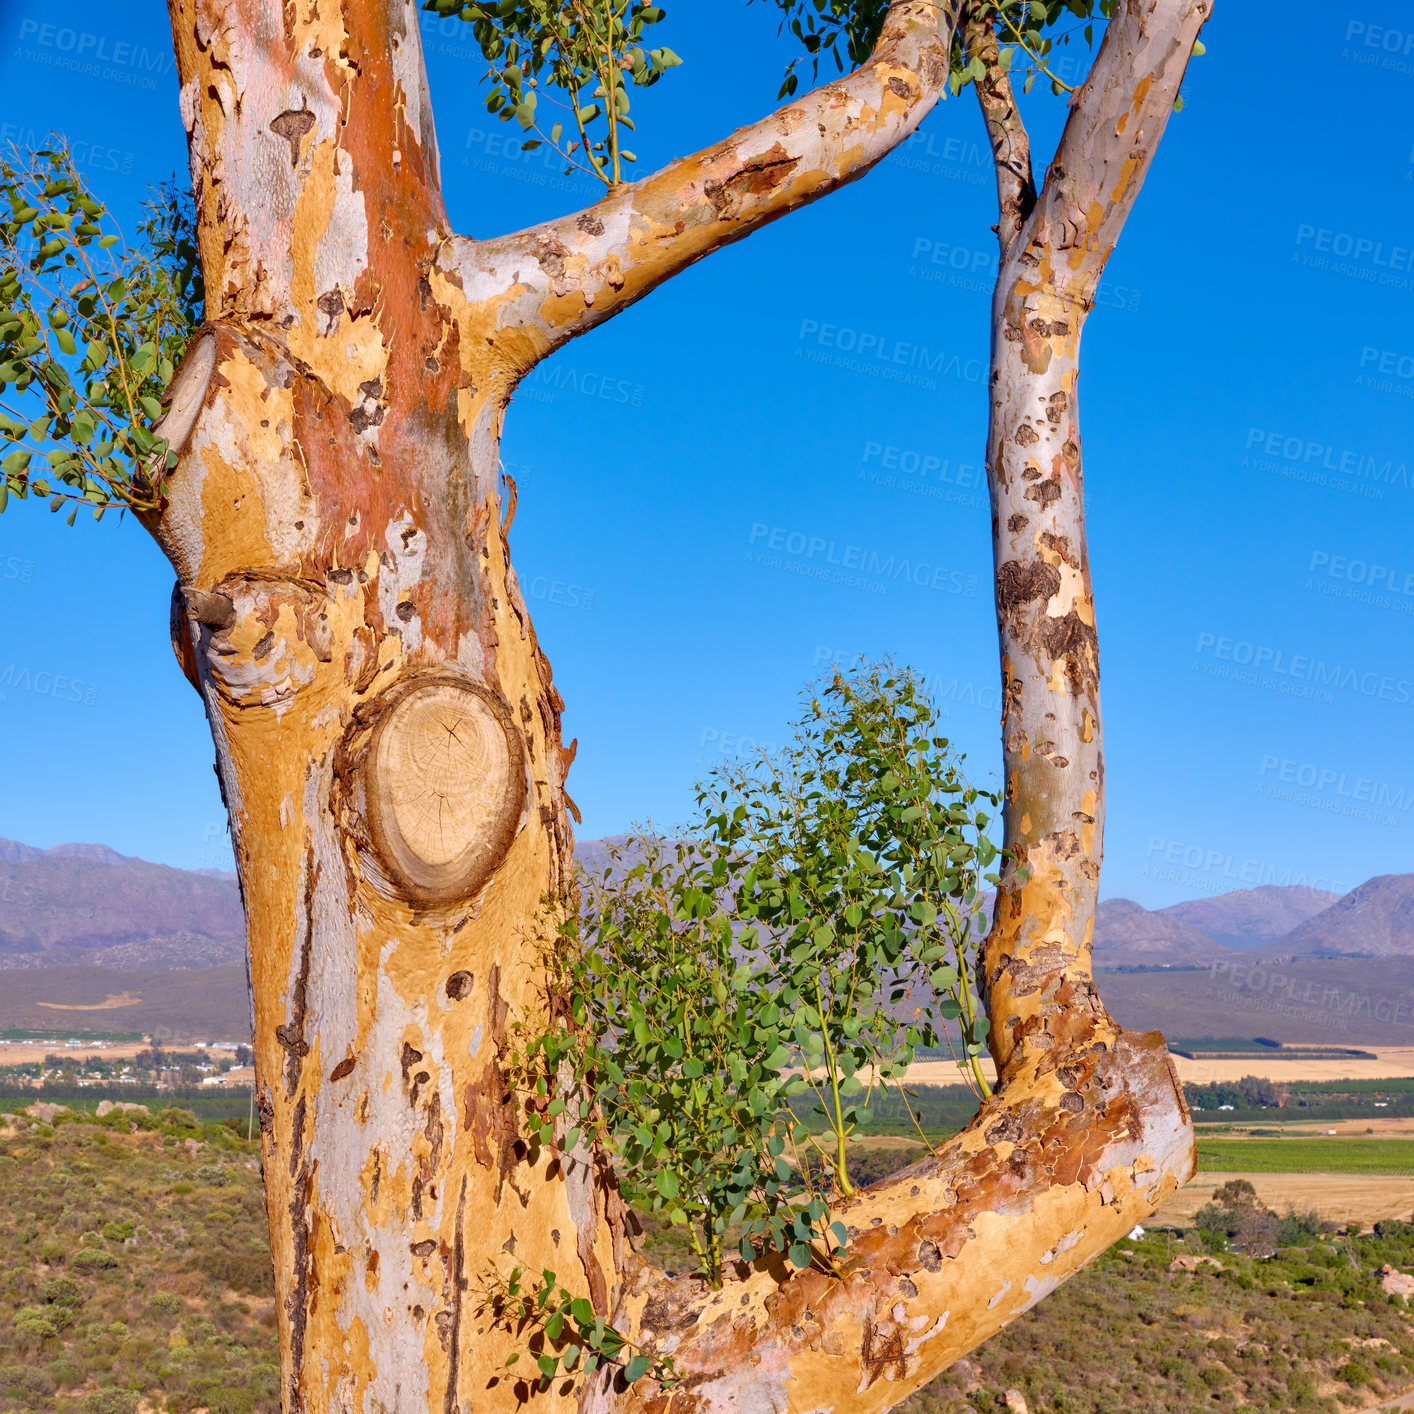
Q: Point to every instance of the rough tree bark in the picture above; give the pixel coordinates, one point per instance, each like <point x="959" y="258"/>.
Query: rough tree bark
<point x="388" y="744"/>
<point x="1054" y="248"/>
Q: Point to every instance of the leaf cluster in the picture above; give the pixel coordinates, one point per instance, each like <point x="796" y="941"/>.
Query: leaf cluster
<point x="562" y="1332"/>
<point x="91" y="330"/>
<point x="814" y="928"/>
<point x="593" y="51"/>
<point x="675" y="1031"/>
<point x="864" y="857"/>
<point x="1029" y="28"/>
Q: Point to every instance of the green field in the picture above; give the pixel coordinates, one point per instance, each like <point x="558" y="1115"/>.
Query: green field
<point x="1306" y="1155"/>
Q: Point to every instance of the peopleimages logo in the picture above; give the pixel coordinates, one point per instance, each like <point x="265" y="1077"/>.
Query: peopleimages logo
<point x="819" y="558"/>
<point x="83" y="52"/>
<point x="879" y="356"/>
<point x="1223" y="864"/>
<point x="1360" y="257"/>
<point x="1294" y="674"/>
<point x="1335" y="791"/>
<point x="1340" y="469"/>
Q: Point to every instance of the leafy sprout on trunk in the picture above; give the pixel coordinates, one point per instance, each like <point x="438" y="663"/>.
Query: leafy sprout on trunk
<point x="593" y="51"/>
<point x="91" y="329"/>
<point x="666" y="1020"/>
<point x="864" y="861"/>
<point x="815" y="928"/>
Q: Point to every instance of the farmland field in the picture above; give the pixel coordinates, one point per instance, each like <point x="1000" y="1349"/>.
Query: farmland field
<point x="1306" y="1155"/>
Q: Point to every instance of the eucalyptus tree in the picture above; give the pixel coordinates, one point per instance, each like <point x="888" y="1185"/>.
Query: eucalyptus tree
<point x="320" y="465"/>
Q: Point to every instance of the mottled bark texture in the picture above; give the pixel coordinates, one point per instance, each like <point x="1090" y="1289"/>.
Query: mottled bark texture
<point x="388" y="743"/>
<point x="1054" y="247"/>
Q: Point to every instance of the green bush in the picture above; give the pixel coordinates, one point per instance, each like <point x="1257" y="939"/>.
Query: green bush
<point x="65" y="1372"/>
<point x="93" y="1259"/>
<point x="27" y="1385"/>
<point x="117" y="1232"/>
<point x="52" y="1251"/>
<point x="62" y="1291"/>
<point x="37" y="1324"/>
<point x="178" y="1118"/>
<point x="112" y="1401"/>
<point x="1354" y="1372"/>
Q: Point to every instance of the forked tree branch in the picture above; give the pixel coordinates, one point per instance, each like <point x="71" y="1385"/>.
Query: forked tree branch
<point x="1011" y="145"/>
<point x="532" y="291"/>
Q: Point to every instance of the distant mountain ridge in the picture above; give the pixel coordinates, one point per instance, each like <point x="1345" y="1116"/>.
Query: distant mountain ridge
<point x="1376" y="919"/>
<point x="86" y="904"/>
<point x="1246" y="918"/>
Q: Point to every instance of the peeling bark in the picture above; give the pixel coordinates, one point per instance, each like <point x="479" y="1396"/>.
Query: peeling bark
<point x="388" y="743"/>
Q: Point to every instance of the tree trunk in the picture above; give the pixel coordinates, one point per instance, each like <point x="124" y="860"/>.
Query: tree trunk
<point x="388" y="745"/>
<point x="1037" y="962"/>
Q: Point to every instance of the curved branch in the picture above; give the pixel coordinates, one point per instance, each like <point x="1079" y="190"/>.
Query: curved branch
<point x="530" y="292"/>
<point x="1011" y="145"/>
<point x="1084" y="1142"/>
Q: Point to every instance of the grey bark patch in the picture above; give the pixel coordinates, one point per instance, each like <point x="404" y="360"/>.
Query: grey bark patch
<point x="1008" y="1127"/>
<point x="331" y="302"/>
<point x="1071" y="1103"/>
<point x="1019" y="584"/>
<point x="214" y="610"/>
<point x="344" y="1067"/>
<point x="1044" y="493"/>
<point x="929" y="1257"/>
<point x="292" y="125"/>
<point x="590" y="224"/>
<point x="906" y="1287"/>
<point x="1026" y="435"/>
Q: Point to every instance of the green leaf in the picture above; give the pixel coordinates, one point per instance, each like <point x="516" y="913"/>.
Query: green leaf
<point x="636" y="1368"/>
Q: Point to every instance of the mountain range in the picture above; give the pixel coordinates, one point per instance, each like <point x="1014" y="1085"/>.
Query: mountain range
<point x="88" y="905"/>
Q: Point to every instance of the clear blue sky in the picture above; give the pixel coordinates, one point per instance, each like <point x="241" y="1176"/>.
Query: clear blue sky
<point x="1247" y="410"/>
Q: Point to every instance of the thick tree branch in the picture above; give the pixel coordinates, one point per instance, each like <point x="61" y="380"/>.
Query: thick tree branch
<point x="1116" y="122"/>
<point x="1083" y="1142"/>
<point x="1011" y="145"/>
<point x="1037" y="958"/>
<point x="531" y="291"/>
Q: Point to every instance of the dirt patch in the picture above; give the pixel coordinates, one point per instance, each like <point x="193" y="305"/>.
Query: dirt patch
<point x="12" y="1053"/>
<point x="1391" y="1063"/>
<point x="1337" y="1197"/>
<point x="109" y="1003"/>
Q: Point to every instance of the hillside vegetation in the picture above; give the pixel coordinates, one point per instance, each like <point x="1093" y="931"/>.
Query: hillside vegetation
<point x="134" y="1273"/>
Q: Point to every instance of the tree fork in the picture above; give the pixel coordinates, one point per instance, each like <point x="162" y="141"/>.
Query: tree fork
<point x="388" y="743"/>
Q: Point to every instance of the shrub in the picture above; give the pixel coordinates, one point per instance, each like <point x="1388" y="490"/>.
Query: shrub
<point x="52" y="1251"/>
<point x="62" y="1291"/>
<point x="26" y="1384"/>
<point x="112" y="1401"/>
<point x="65" y="1373"/>
<point x="117" y="1232"/>
<point x="93" y="1259"/>
<point x="1354" y="1372"/>
<point x="178" y="1118"/>
<point x="36" y="1324"/>
<point x="213" y="1175"/>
